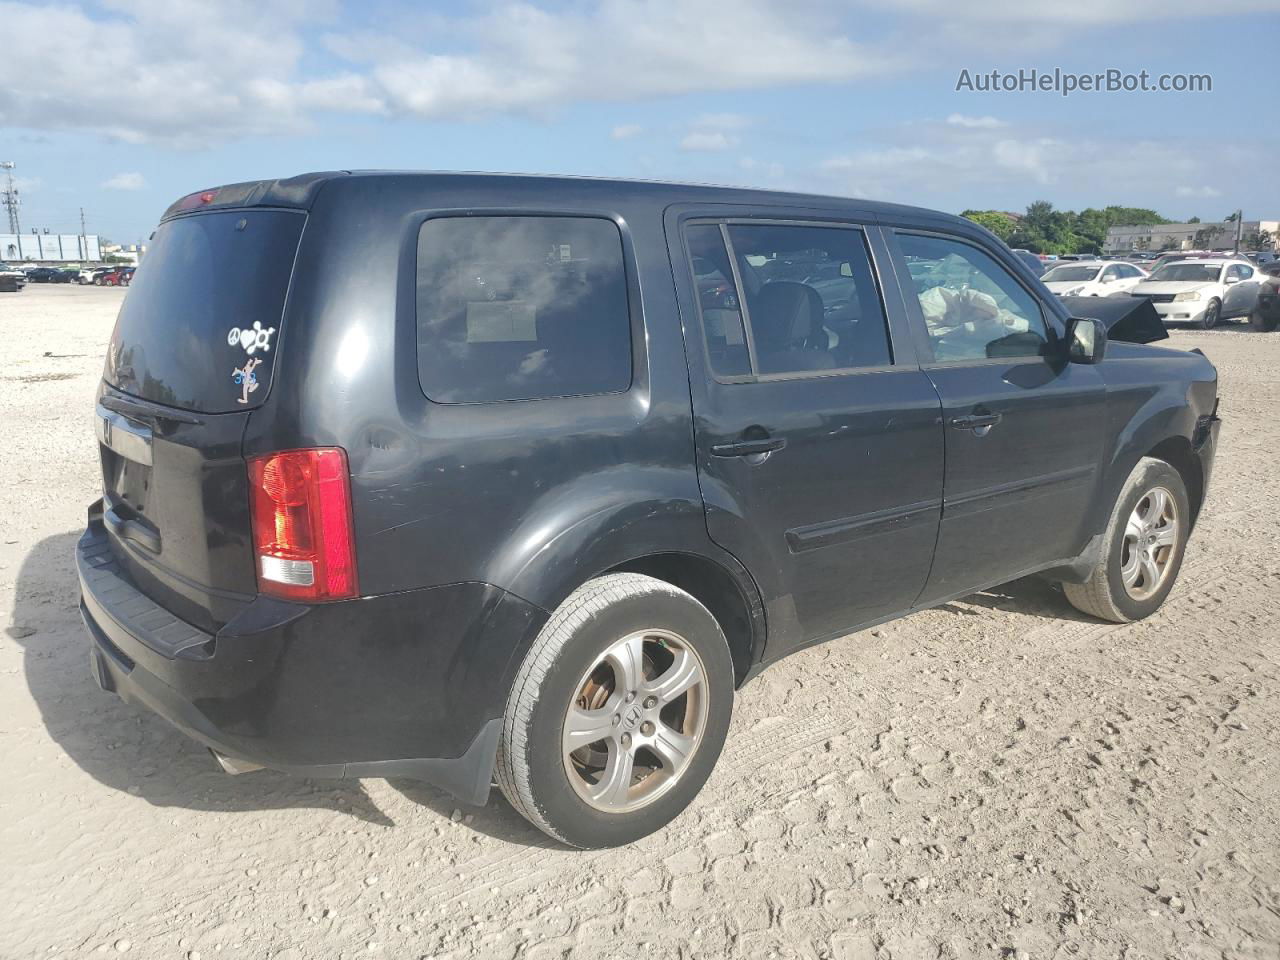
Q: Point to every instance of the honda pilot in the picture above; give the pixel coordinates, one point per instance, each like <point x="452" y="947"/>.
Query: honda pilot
<point x="475" y="478"/>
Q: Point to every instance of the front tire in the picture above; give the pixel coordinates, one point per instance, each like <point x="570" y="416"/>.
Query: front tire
<point x="1260" y="322"/>
<point x="618" y="713"/>
<point x="1142" y="548"/>
<point x="1212" y="313"/>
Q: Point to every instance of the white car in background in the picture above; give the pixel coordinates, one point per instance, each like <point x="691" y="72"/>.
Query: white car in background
<point x="1202" y="292"/>
<point x="1093" y="278"/>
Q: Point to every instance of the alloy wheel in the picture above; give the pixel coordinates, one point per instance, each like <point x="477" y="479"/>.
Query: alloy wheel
<point x="1150" y="541"/>
<point x="636" y="720"/>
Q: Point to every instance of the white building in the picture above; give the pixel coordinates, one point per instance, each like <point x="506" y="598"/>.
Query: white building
<point x="1190" y="236"/>
<point x="49" y="248"/>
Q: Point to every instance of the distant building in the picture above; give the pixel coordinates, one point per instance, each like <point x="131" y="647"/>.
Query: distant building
<point x="132" y="252"/>
<point x="1189" y="236"/>
<point x="49" y="248"/>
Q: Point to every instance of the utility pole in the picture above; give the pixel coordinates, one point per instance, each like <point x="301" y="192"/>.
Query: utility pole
<point x="11" y="199"/>
<point x="1239" y="229"/>
<point x="84" y="240"/>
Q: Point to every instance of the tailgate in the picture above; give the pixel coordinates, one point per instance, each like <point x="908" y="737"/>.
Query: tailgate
<point x="175" y="506"/>
<point x="192" y="354"/>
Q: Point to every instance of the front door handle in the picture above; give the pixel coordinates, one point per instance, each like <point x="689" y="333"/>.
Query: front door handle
<point x="748" y="448"/>
<point x="979" y="423"/>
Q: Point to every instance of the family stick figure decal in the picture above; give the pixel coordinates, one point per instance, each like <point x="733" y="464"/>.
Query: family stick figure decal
<point x="251" y="340"/>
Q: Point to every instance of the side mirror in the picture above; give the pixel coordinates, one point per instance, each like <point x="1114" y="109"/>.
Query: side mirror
<point x="1230" y="280"/>
<point x="1086" y="340"/>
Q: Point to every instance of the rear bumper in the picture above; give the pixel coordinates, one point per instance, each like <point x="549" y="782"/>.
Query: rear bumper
<point x="411" y="685"/>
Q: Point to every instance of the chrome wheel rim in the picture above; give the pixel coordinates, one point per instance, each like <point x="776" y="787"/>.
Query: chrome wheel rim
<point x="635" y="722"/>
<point x="1150" y="541"/>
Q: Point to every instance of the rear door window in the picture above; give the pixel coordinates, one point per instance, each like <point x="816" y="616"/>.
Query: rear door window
<point x="812" y="301"/>
<point x="521" y="308"/>
<point x="200" y="326"/>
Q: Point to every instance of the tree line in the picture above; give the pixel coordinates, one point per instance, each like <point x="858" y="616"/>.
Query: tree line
<point x="1042" y="229"/>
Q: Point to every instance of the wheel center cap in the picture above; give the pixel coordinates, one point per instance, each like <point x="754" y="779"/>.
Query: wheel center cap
<point x="631" y="718"/>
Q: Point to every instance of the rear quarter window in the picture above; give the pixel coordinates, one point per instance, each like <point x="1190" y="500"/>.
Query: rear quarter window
<point x="521" y="308"/>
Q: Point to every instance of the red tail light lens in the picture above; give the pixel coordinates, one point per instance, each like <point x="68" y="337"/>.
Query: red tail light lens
<point x="300" y="501"/>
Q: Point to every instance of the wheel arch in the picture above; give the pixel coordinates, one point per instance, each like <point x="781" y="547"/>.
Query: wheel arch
<point x="646" y="520"/>
<point x="1177" y="452"/>
<point x="735" y="606"/>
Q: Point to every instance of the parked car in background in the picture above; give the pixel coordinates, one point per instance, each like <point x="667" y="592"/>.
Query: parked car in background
<point x="115" y="277"/>
<point x="48" y="275"/>
<point x="12" y="279"/>
<point x="1202" y="291"/>
<point x="1175" y="256"/>
<point x="1032" y="260"/>
<point x="403" y="476"/>
<point x="89" y="274"/>
<point x="1093" y="278"/>
<point x="1266" y="315"/>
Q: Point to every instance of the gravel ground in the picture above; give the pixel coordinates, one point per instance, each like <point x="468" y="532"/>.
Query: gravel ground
<point x="997" y="777"/>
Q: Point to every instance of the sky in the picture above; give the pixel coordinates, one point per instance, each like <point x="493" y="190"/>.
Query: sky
<point x="120" y="107"/>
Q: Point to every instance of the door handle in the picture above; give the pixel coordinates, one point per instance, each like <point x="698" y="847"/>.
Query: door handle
<point x="748" y="448"/>
<point x="977" y="422"/>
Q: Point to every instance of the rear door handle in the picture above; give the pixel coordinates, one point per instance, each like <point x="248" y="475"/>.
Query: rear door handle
<point x="748" y="448"/>
<point x="976" y="421"/>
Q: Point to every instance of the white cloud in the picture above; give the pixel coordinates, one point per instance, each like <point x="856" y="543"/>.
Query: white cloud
<point x="166" y="70"/>
<point x="1026" y="156"/>
<point x="125" y="181"/>
<point x="770" y="170"/>
<point x="712" y="132"/>
<point x="933" y="164"/>
<point x="1198" y="192"/>
<point x="625" y="131"/>
<point x="721" y="121"/>
<point x="1077" y="12"/>
<point x="707" y="141"/>
<point x="170" y="71"/>
<point x="976" y="123"/>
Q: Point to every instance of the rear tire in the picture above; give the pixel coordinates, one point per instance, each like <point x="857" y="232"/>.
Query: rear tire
<point x="1260" y="322"/>
<point x="1142" y="549"/>
<point x="646" y="666"/>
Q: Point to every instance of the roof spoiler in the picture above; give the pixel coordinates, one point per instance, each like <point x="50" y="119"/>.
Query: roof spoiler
<point x="294" y="192"/>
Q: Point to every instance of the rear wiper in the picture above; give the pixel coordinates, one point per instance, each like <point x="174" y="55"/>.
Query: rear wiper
<point x="137" y="408"/>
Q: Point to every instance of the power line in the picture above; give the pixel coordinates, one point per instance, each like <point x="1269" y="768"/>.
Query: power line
<point x="11" y="198"/>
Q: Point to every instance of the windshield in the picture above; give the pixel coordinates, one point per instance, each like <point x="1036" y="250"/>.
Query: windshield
<point x="1183" y="271"/>
<point x="199" y="328"/>
<point x="1070" y="274"/>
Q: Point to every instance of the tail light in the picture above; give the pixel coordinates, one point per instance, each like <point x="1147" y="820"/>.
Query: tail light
<point x="300" y="502"/>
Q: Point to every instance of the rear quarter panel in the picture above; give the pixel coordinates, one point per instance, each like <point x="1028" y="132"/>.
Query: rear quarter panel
<point x="531" y="496"/>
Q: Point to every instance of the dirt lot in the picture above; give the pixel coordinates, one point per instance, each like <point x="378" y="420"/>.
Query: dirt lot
<point x="998" y="777"/>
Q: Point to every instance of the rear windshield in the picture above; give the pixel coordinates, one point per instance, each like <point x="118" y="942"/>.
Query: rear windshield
<point x="200" y="326"/>
<point x="1200" y="272"/>
<point x="1070" y="274"/>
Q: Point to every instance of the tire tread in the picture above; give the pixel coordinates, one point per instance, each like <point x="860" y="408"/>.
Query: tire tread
<point x="512" y="768"/>
<point x="1094" y="596"/>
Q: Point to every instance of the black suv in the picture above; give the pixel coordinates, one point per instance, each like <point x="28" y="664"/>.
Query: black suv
<point x="471" y="477"/>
